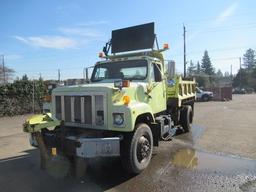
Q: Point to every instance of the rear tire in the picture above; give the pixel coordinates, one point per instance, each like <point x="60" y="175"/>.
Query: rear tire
<point x="186" y="118"/>
<point x="136" y="151"/>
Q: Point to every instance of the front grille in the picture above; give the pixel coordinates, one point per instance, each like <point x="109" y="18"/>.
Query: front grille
<point x="81" y="110"/>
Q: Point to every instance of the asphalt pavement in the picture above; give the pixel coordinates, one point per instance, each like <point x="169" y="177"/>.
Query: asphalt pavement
<point x="218" y="154"/>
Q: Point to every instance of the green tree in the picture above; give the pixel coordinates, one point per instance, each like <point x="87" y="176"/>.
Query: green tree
<point x="249" y="59"/>
<point x="226" y="74"/>
<point x="202" y="80"/>
<point x="198" y="68"/>
<point x="252" y="79"/>
<point x="219" y="73"/>
<point x="206" y="64"/>
<point x="6" y="74"/>
<point x="241" y="79"/>
<point x="24" y="78"/>
<point x="191" y="68"/>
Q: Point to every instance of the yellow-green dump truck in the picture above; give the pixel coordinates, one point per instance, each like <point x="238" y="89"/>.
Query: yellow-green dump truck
<point x="133" y="101"/>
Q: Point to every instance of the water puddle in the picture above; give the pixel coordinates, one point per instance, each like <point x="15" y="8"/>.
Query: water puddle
<point x="193" y="135"/>
<point x="192" y="159"/>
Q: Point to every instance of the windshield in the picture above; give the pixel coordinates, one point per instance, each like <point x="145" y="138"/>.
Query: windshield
<point x="131" y="70"/>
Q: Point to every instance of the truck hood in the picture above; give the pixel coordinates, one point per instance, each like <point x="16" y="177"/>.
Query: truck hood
<point x="85" y="87"/>
<point x="135" y="91"/>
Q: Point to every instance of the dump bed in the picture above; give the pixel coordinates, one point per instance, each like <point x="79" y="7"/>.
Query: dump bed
<point x="180" y="90"/>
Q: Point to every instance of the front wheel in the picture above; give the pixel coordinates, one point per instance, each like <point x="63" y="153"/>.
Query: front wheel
<point x="137" y="149"/>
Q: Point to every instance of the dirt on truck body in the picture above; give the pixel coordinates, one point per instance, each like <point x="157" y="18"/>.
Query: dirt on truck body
<point x="133" y="101"/>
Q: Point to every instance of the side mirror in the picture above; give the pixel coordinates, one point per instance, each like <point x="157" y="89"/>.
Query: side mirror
<point x="118" y="84"/>
<point x="87" y="73"/>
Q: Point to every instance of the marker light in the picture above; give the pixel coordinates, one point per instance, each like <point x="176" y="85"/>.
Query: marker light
<point x="126" y="99"/>
<point x="126" y="83"/>
<point x="166" y="46"/>
<point x="48" y="98"/>
<point x="101" y="54"/>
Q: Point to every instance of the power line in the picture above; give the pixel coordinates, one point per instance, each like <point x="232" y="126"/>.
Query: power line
<point x="227" y="58"/>
<point x="226" y="29"/>
<point x="212" y="50"/>
<point x="50" y="69"/>
<point x="229" y="26"/>
<point x="82" y="68"/>
<point x="221" y="49"/>
<point x="216" y="18"/>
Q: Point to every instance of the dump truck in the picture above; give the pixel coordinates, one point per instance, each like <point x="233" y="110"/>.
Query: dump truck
<point x="133" y="101"/>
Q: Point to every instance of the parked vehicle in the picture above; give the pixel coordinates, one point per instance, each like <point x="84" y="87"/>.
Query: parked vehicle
<point x="132" y="102"/>
<point x="239" y="90"/>
<point x="203" y="95"/>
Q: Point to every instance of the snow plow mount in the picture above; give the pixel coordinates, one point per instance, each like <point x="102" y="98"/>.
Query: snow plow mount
<point x="38" y="122"/>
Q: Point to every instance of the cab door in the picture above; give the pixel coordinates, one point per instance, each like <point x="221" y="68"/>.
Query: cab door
<point x="156" y="88"/>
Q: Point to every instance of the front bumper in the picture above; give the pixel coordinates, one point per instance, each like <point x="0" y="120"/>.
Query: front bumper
<point x="96" y="147"/>
<point x="83" y="147"/>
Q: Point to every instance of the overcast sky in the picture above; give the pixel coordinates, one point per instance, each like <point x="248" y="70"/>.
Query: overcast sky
<point x="44" y="36"/>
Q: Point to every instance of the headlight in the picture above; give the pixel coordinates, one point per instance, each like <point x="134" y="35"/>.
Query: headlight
<point x="118" y="118"/>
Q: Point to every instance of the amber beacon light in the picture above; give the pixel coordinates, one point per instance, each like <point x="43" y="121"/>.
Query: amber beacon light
<point x="166" y="46"/>
<point x="126" y="99"/>
<point x="101" y="55"/>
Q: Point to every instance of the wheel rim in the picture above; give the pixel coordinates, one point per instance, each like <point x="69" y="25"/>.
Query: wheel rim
<point x="143" y="149"/>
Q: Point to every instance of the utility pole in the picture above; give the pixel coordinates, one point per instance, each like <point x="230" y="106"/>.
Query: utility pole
<point x="33" y="96"/>
<point x="3" y="68"/>
<point x="84" y="73"/>
<point x="240" y="72"/>
<point x="185" y="62"/>
<point x="231" y="71"/>
<point x="59" y="75"/>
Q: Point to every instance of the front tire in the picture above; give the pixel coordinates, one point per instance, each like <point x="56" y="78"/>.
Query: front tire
<point x="137" y="149"/>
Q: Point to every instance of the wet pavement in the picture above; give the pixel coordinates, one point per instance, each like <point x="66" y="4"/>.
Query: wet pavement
<point x="177" y="165"/>
<point x="196" y="161"/>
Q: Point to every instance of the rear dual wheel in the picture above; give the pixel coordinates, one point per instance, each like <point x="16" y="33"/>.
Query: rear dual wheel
<point x="186" y="117"/>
